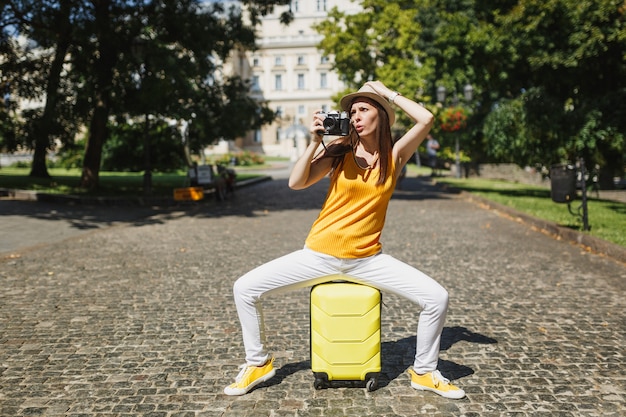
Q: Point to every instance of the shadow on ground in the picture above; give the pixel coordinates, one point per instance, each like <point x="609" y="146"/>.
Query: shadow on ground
<point x="397" y="357"/>
<point x="251" y="201"/>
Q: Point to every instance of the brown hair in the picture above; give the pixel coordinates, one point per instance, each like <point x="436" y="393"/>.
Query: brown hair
<point x="341" y="146"/>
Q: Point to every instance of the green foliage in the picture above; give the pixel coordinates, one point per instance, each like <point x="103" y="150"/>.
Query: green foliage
<point x="21" y="164"/>
<point x="378" y="43"/>
<point x="244" y="158"/>
<point x="125" y="151"/>
<point x="569" y="55"/>
<point x="506" y="128"/>
<point x="556" y="66"/>
<point x="8" y="131"/>
<point x="127" y="59"/>
<point x="412" y="46"/>
<point x="70" y="156"/>
<point x="448" y="154"/>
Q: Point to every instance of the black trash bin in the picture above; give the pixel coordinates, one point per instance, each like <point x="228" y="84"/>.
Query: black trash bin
<point x="562" y="183"/>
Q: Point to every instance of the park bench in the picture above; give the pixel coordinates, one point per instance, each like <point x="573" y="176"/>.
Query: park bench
<point x="201" y="178"/>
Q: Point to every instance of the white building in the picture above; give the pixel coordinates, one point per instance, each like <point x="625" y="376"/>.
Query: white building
<point x="291" y="75"/>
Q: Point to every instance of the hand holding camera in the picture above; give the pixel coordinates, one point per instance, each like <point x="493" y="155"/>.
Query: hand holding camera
<point x="333" y="123"/>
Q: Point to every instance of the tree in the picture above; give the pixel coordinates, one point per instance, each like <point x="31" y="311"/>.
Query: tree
<point x="569" y="61"/>
<point x="178" y="76"/>
<point x="413" y="46"/>
<point x="36" y="71"/>
<point x="378" y="43"/>
<point x="553" y="69"/>
<point x="184" y="43"/>
<point x="9" y="124"/>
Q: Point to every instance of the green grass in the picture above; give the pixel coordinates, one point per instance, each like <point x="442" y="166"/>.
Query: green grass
<point x="65" y="181"/>
<point x="606" y="218"/>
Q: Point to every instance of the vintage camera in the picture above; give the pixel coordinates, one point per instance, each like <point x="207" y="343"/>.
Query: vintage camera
<point x="336" y="124"/>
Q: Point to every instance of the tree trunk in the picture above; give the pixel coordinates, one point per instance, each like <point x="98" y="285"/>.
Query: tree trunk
<point x="93" y="153"/>
<point x="38" y="168"/>
<point x="45" y="125"/>
<point x="104" y="84"/>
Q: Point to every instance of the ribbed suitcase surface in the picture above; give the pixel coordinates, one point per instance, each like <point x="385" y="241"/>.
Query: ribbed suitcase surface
<point x="345" y="332"/>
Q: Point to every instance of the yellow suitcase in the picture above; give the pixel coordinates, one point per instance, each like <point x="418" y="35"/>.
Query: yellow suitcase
<point x="345" y="334"/>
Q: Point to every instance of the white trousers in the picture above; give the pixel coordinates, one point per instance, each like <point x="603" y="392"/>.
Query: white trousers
<point x="305" y="268"/>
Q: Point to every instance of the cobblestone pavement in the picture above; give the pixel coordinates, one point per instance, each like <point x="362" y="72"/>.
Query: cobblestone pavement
<point x="129" y="312"/>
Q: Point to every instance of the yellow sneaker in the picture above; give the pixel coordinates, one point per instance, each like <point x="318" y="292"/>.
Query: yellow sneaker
<point x="435" y="382"/>
<point x="249" y="377"/>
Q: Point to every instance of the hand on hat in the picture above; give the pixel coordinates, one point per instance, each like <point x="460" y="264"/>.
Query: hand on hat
<point x="380" y="88"/>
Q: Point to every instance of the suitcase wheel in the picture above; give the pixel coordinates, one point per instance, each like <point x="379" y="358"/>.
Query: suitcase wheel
<point x="371" y="384"/>
<point x="321" y="381"/>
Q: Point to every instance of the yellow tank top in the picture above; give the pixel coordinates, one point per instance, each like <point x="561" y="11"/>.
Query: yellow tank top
<point x="353" y="215"/>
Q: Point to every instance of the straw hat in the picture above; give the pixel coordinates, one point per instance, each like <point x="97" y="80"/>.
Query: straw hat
<point x="367" y="91"/>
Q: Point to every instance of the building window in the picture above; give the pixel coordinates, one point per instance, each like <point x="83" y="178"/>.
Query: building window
<point x="323" y="80"/>
<point x="278" y="60"/>
<point x="324" y="60"/>
<point x="301" y="82"/>
<point x="295" y="6"/>
<point x="255" y="83"/>
<point x="301" y="60"/>
<point x="278" y="82"/>
<point x="257" y="136"/>
<point x="301" y="110"/>
<point x="256" y="62"/>
<point x="321" y="5"/>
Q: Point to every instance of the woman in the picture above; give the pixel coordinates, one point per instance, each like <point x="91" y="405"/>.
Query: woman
<point x="364" y="167"/>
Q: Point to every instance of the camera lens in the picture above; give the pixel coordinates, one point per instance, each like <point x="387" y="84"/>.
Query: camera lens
<point x="329" y="123"/>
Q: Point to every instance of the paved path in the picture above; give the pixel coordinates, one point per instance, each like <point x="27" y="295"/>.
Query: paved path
<point x="128" y="312"/>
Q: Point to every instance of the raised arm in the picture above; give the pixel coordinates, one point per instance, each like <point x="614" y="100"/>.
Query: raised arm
<point x="310" y="168"/>
<point x="406" y="146"/>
